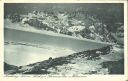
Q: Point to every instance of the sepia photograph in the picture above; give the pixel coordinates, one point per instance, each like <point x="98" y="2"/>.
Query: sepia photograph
<point x="64" y="39"/>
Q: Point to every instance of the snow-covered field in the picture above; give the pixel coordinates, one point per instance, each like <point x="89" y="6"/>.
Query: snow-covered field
<point x="20" y="55"/>
<point x="80" y="66"/>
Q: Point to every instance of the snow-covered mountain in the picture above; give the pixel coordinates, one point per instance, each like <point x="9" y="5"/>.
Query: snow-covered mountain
<point x="81" y="25"/>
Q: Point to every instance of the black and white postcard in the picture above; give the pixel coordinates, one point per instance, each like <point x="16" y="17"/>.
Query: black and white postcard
<point x="64" y="39"/>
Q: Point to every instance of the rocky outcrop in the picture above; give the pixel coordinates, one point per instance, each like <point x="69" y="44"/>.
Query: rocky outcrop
<point x="10" y="69"/>
<point x="114" y="67"/>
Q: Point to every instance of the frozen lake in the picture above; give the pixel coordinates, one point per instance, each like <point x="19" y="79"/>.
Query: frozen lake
<point x="64" y="41"/>
<point x="51" y="46"/>
<point x="22" y="55"/>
